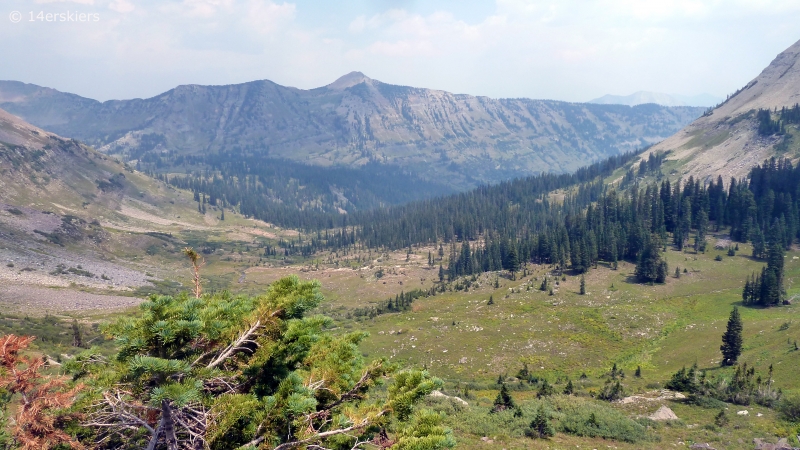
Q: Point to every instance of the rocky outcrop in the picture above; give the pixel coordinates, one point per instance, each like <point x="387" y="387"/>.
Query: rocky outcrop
<point x="725" y="141"/>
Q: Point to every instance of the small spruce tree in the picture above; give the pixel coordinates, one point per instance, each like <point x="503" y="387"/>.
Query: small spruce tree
<point x="540" y="426"/>
<point x="583" y="285"/>
<point x="732" y="339"/>
<point x="503" y="400"/>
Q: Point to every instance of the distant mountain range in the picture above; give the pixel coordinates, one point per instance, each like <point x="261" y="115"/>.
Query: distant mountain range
<point x="731" y="139"/>
<point x="643" y="97"/>
<point x="453" y="139"/>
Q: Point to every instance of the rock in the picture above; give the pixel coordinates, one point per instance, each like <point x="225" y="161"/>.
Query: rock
<point x="742" y="413"/>
<point x="663" y="413"/>
<point x="702" y="447"/>
<point x="443" y="395"/>
<point x="782" y="444"/>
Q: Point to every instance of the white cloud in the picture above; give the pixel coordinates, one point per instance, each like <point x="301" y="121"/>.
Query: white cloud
<point x="265" y="17"/>
<point x="80" y="2"/>
<point x="121" y="6"/>
<point x="566" y="49"/>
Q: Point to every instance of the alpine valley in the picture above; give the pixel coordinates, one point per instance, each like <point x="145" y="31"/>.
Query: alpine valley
<point x="489" y="273"/>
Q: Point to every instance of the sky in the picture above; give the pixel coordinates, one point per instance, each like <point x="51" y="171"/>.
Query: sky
<point x="572" y="50"/>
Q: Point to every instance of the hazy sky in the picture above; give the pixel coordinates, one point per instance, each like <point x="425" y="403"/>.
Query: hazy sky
<point x="567" y="49"/>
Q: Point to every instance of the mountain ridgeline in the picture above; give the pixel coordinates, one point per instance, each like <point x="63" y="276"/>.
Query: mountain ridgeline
<point x="754" y="123"/>
<point x="460" y="141"/>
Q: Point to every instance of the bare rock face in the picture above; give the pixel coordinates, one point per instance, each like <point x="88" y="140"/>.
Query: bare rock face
<point x="353" y="121"/>
<point x="782" y="444"/>
<point x="725" y="141"/>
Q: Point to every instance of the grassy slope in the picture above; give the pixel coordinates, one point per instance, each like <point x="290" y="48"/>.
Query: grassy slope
<point x="660" y="328"/>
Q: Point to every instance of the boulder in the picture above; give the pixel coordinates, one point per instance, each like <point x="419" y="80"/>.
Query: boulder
<point x="663" y="413"/>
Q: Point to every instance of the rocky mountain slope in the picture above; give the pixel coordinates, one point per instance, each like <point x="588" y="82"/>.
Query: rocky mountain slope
<point x="71" y="216"/>
<point x="726" y="141"/>
<point x="463" y="139"/>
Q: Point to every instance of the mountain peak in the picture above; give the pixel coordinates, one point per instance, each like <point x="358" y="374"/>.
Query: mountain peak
<point x="349" y="80"/>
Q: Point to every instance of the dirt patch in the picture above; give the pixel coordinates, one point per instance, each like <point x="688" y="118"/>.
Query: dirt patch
<point x="40" y="301"/>
<point x="138" y="214"/>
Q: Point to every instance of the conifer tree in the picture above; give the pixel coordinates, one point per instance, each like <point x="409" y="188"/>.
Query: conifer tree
<point x="650" y="267"/>
<point x="224" y="371"/>
<point x="503" y="400"/>
<point x="540" y="427"/>
<point x="77" y="336"/>
<point x="583" y="285"/>
<point x="732" y="339"/>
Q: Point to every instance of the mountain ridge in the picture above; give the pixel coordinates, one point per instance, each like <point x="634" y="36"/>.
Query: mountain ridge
<point x="355" y="120"/>
<point x="659" y="98"/>
<point x="726" y="140"/>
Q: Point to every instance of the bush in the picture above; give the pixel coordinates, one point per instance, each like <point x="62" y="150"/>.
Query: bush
<point x="789" y="408"/>
<point x="684" y="380"/>
<point x="721" y="419"/>
<point x="583" y="417"/>
<point x="611" y="391"/>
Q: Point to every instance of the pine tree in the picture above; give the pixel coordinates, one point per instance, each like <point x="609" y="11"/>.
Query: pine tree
<point x="233" y="355"/>
<point x="650" y="267"/>
<point x="732" y="339"/>
<point x="441" y="273"/>
<point x="583" y="285"/>
<point x="540" y="426"/>
<point x="545" y="389"/>
<point x="491" y="300"/>
<point x="77" y="337"/>
<point x="503" y="400"/>
<point x="569" y="389"/>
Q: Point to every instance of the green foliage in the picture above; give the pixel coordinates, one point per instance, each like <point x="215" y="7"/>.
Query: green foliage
<point x="545" y="389"/>
<point x="685" y="380"/>
<point x="583" y="417"/>
<point x="731" y="346"/>
<point x="503" y="401"/>
<point x="721" y="419"/>
<point x="424" y="432"/>
<point x="767" y="288"/>
<point x="742" y="387"/>
<point x="540" y="426"/>
<point x="789" y="407"/>
<point x="650" y="267"/>
<point x="268" y="371"/>
<point x="612" y="391"/>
